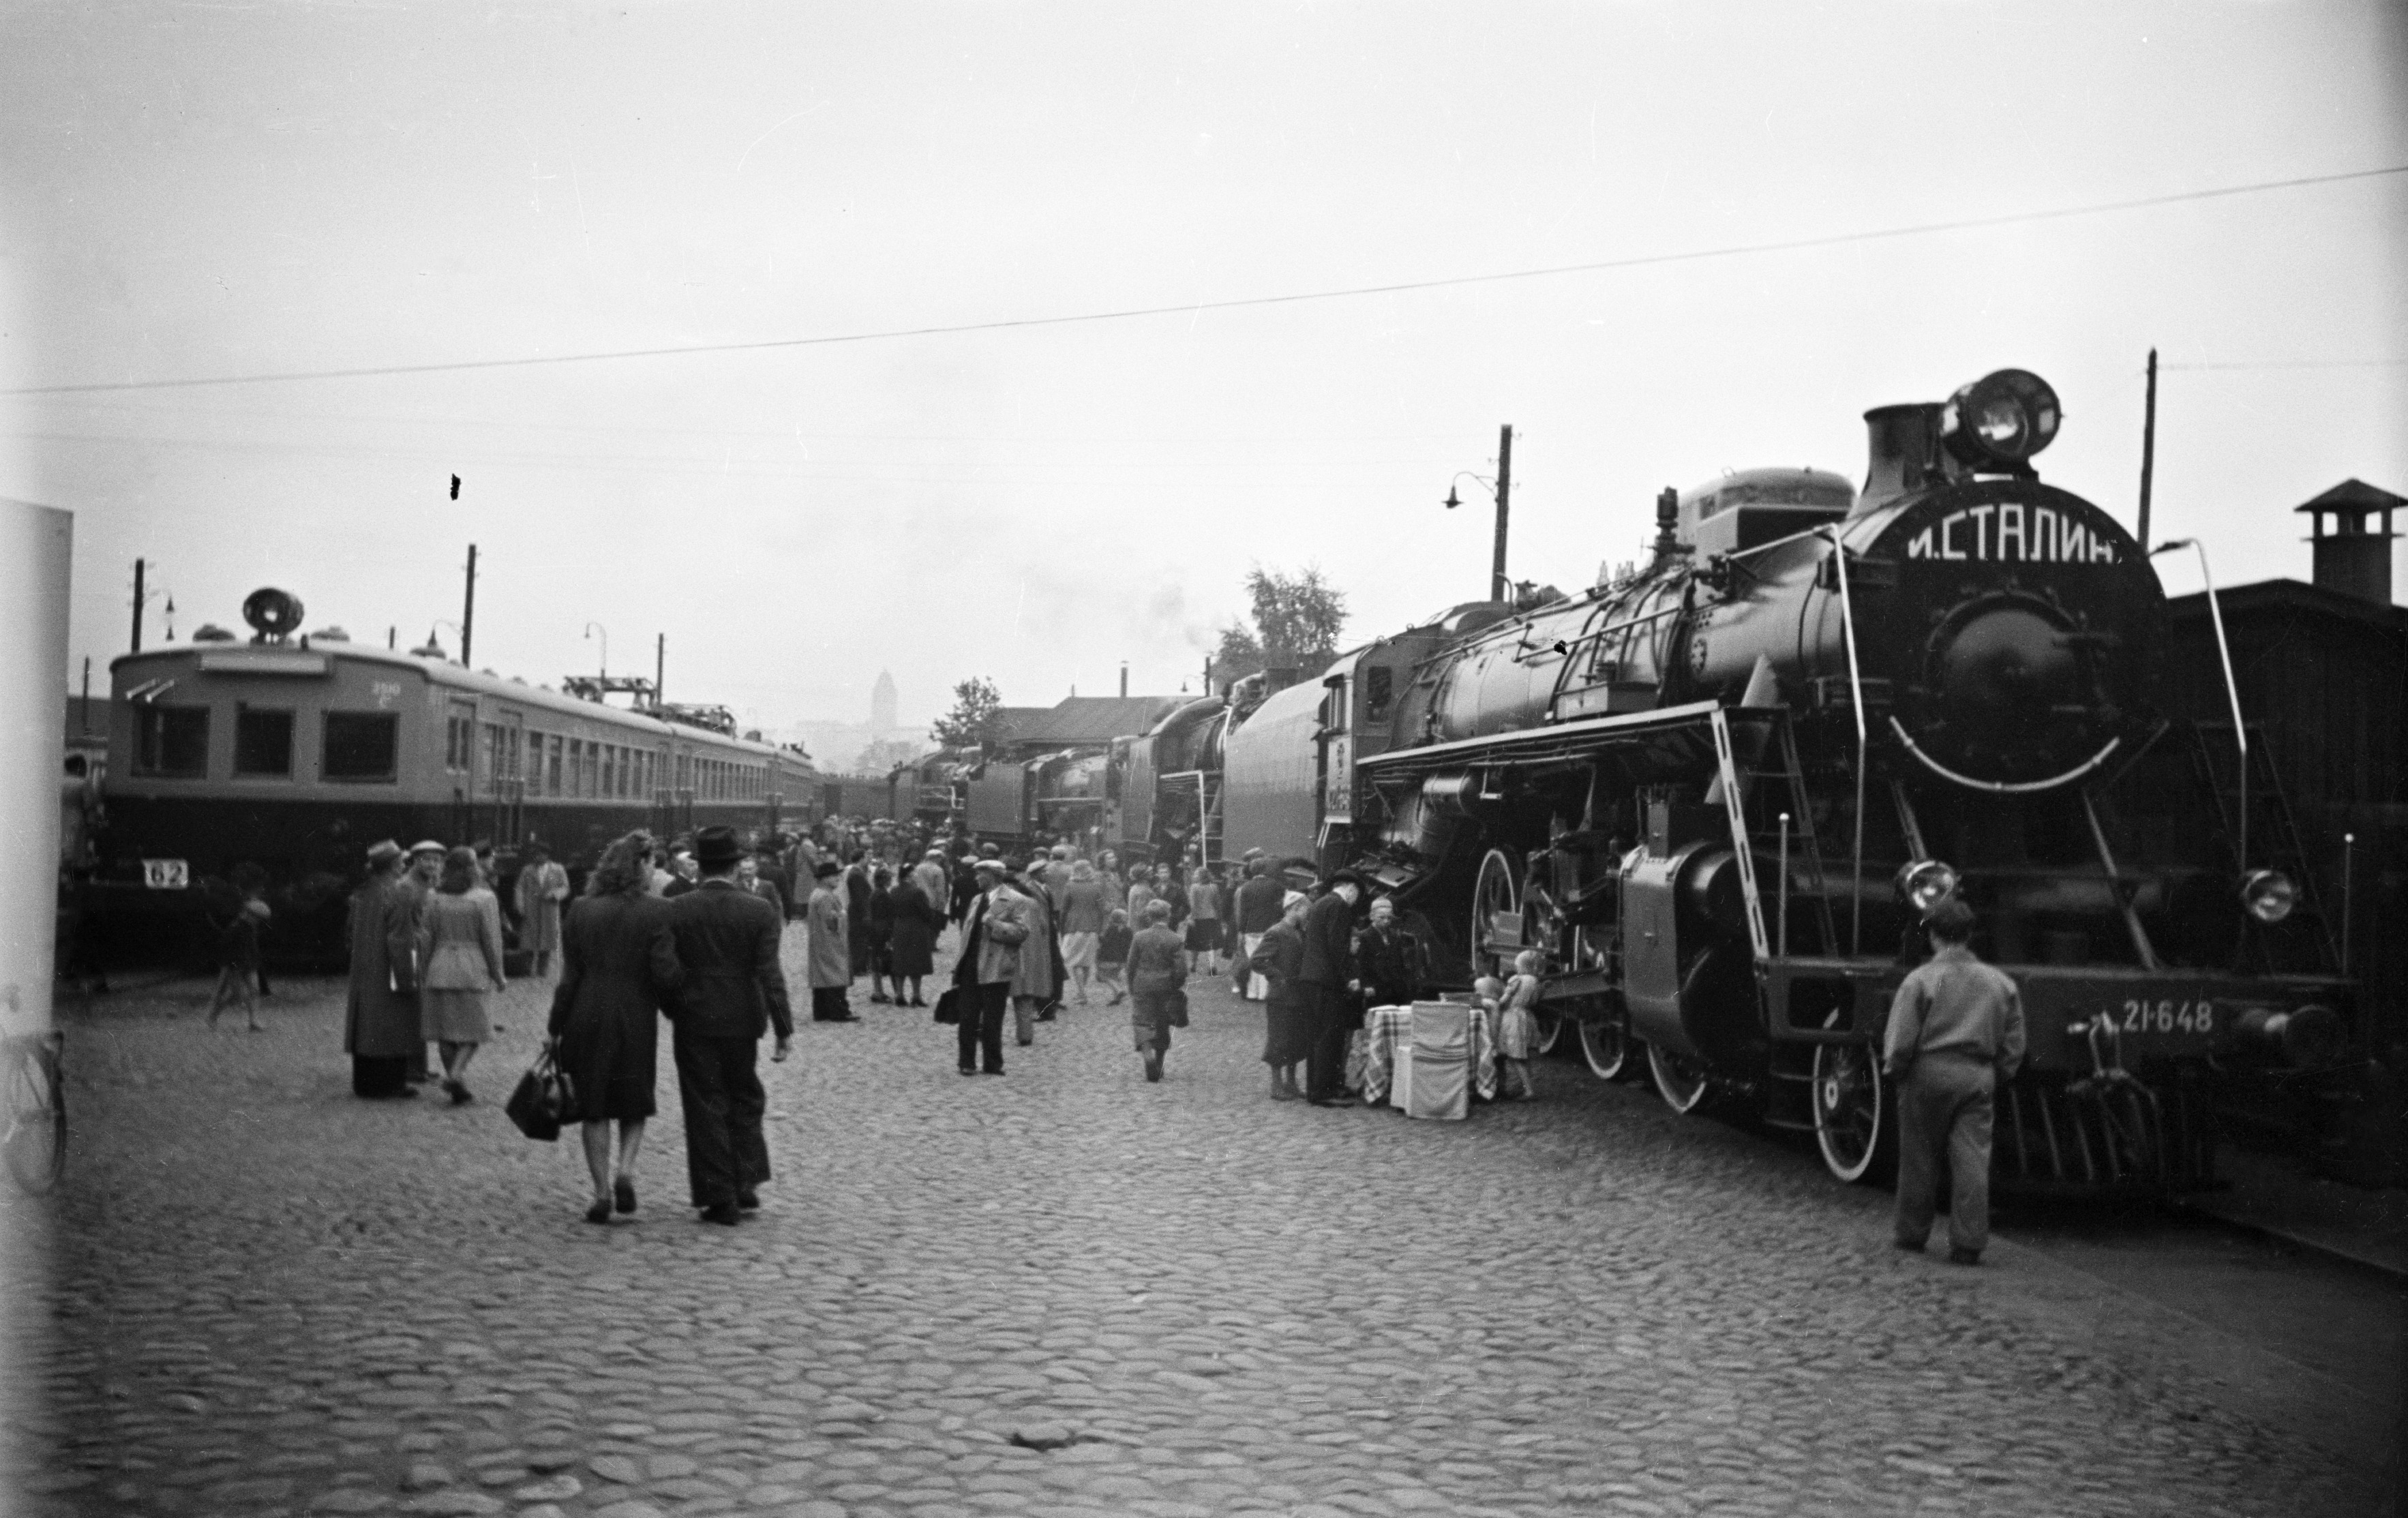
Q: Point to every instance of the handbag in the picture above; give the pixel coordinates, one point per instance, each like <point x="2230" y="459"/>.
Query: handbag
<point x="543" y="1100"/>
<point x="949" y="1006"/>
<point x="1175" y="1010"/>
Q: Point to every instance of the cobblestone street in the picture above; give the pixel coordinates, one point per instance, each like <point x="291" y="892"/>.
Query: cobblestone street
<point x="273" y="1298"/>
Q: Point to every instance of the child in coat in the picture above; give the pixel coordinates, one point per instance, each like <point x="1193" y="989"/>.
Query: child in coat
<point x="1111" y="955"/>
<point x="1517" y="1023"/>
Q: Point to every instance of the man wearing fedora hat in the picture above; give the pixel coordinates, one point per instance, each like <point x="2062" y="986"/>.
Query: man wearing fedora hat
<point x="991" y="936"/>
<point x="727" y="942"/>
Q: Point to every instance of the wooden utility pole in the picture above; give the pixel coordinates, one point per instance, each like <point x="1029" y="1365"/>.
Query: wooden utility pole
<point x="1500" y="588"/>
<point x="468" y="609"/>
<point x="138" y="599"/>
<point x="660" y="666"/>
<point x="2148" y="449"/>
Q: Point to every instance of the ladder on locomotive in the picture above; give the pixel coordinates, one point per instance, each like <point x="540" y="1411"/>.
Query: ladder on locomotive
<point x="2270" y="819"/>
<point x="1755" y="820"/>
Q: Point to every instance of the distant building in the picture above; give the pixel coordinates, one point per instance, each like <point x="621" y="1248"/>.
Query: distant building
<point x="882" y="705"/>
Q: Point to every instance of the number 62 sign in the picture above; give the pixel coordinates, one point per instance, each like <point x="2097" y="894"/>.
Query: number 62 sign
<point x="166" y="874"/>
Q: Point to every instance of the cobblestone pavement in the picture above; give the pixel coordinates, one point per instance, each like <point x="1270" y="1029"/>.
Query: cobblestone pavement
<point x="273" y="1298"/>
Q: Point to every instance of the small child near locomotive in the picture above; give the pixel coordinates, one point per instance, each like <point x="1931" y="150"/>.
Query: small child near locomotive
<point x="1517" y="1023"/>
<point x="239" y="948"/>
<point x="1111" y="955"/>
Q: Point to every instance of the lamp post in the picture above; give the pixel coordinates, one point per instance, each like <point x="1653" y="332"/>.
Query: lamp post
<point x="1501" y="491"/>
<point x="2231" y="691"/>
<point x="591" y="628"/>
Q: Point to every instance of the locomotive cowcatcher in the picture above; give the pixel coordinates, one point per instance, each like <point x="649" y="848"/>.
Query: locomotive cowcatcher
<point x="1716" y="794"/>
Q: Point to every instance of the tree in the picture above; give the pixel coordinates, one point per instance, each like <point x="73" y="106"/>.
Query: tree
<point x="1297" y="620"/>
<point x="976" y="720"/>
<point x="883" y="754"/>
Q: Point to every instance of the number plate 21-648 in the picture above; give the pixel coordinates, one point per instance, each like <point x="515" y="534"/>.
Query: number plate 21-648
<point x="2166" y="1015"/>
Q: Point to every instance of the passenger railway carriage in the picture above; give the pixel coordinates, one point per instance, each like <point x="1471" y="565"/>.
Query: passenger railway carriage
<point x="297" y="753"/>
<point x="1713" y="796"/>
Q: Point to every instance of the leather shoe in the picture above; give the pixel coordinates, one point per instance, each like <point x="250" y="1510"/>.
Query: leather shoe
<point x="1334" y="1101"/>
<point x="623" y="1192"/>
<point x="1910" y="1248"/>
<point x="599" y="1212"/>
<point x="725" y="1215"/>
<point x="1964" y="1256"/>
<point x="970" y="1069"/>
<point x="748" y="1200"/>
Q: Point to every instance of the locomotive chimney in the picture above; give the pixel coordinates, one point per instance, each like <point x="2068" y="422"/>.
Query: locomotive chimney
<point x="2352" y="558"/>
<point x="1904" y="446"/>
<point x="1668" y="536"/>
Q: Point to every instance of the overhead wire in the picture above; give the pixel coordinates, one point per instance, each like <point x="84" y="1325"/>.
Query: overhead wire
<point x="1234" y="302"/>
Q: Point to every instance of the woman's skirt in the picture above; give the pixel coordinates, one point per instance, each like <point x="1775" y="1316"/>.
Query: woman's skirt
<point x="1079" y="950"/>
<point x="1286" y="1038"/>
<point x="611" y="1069"/>
<point x="455" y="1016"/>
<point x="1203" y="935"/>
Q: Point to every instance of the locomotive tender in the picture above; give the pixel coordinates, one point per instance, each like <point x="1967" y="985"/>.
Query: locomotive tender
<point x="1715" y="795"/>
<point x="296" y="754"/>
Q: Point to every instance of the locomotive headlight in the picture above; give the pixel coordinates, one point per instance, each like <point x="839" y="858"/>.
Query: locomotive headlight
<point x="2269" y="894"/>
<point x="2000" y="420"/>
<point x="1926" y="884"/>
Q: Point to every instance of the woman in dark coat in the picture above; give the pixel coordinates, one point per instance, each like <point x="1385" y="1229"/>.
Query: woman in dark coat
<point x="618" y="961"/>
<point x="915" y="922"/>
<point x="857" y="892"/>
<point x="882" y="936"/>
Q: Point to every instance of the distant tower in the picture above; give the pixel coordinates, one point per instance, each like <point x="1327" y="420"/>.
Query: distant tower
<point x="881" y="706"/>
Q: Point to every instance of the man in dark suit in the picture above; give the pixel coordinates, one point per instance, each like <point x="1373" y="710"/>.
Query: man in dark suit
<point x="1328" y="979"/>
<point x="992" y="936"/>
<point x="727" y="940"/>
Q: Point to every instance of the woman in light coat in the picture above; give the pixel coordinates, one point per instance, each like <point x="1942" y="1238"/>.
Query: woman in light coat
<point x="543" y="887"/>
<point x="464" y="966"/>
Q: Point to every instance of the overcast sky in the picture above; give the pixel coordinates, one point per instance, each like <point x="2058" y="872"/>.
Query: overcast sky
<point x="202" y="191"/>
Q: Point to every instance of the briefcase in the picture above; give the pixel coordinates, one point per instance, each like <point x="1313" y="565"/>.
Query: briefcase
<point x="949" y="1006"/>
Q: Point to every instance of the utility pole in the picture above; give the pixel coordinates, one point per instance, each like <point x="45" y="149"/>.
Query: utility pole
<point x="2148" y="449"/>
<point x="660" y="667"/>
<point x="468" y="609"/>
<point x="138" y="599"/>
<point x="1500" y="588"/>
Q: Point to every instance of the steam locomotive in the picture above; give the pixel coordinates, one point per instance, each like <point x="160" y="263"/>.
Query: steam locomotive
<point x="1716" y="795"/>
<point x="295" y="751"/>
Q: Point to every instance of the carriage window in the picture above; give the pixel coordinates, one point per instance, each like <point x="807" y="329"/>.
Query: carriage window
<point x="172" y="740"/>
<point x="362" y="746"/>
<point x="263" y="742"/>
<point x="551" y="766"/>
<point x="459" y="737"/>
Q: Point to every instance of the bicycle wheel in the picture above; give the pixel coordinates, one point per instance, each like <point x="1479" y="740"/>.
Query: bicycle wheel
<point x="36" y="1143"/>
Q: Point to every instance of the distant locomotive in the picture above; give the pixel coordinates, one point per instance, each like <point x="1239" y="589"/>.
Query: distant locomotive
<point x="1715" y="795"/>
<point x="295" y="754"/>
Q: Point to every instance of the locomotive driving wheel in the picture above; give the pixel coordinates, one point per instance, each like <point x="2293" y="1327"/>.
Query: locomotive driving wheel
<point x="1605" y="1042"/>
<point x="1496" y="915"/>
<point x="1850" y="1109"/>
<point x="1679" y="1080"/>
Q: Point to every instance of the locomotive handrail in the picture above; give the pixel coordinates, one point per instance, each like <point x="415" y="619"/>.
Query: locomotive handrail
<point x="1856" y="706"/>
<point x="1612" y="726"/>
<point x="2005" y="787"/>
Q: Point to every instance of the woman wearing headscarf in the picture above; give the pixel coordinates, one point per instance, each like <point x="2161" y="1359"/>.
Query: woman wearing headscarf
<point x="618" y="960"/>
<point x="464" y="966"/>
<point x="913" y="921"/>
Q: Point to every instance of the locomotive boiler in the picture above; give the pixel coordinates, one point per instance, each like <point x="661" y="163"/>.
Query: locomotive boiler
<point x="1714" y="796"/>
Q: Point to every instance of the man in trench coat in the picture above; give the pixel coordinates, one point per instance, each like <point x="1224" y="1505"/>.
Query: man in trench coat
<point x="734" y="991"/>
<point x="380" y="1029"/>
<point x="831" y="950"/>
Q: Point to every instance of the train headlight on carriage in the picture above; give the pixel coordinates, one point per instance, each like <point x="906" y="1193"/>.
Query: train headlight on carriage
<point x="2269" y="894"/>
<point x="2000" y="421"/>
<point x="1926" y="884"/>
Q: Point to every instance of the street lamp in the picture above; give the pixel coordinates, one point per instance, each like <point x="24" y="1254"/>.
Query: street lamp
<point x="591" y="628"/>
<point x="2231" y="691"/>
<point x="1501" y="488"/>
